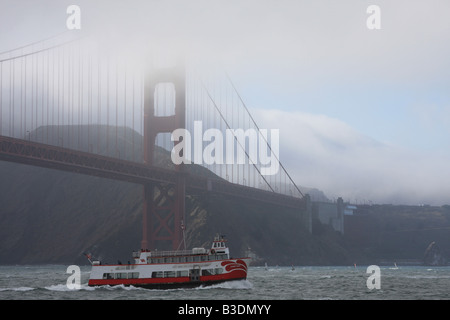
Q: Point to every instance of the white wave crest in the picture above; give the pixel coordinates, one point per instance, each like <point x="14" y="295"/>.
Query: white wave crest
<point x="235" y="284"/>
<point x="17" y="289"/>
<point x="121" y="287"/>
<point x="64" y="288"/>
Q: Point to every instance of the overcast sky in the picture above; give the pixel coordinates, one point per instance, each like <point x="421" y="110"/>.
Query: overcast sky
<point x="363" y="114"/>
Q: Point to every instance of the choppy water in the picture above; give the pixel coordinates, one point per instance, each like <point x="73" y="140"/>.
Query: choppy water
<point x="48" y="282"/>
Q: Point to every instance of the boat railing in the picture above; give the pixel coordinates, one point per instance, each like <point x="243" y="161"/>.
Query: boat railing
<point x="178" y="252"/>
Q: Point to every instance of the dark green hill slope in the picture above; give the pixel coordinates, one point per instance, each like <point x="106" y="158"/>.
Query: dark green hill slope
<point x="388" y="233"/>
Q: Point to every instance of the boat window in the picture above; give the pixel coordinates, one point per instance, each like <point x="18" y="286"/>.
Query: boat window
<point x="207" y="272"/>
<point x="120" y="275"/>
<point x="218" y="270"/>
<point x="157" y="274"/>
<point x="169" y="274"/>
<point x="183" y="273"/>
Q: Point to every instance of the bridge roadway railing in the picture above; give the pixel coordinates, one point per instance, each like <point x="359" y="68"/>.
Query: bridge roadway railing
<point x="54" y="157"/>
<point x="240" y="191"/>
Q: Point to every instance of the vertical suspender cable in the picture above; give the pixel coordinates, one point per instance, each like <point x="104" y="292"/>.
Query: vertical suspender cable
<point x="125" y="117"/>
<point x="80" y="95"/>
<point x="99" y="99"/>
<point x="42" y="96"/>
<point x="89" y="142"/>
<point x="117" y="110"/>
<point x="48" y="96"/>
<point x="1" y="97"/>
<point x="107" y="106"/>
<point x="33" y="96"/>
<point x="23" y="79"/>
<point x="133" y="132"/>
<point x="57" y="98"/>
<point x="11" y="98"/>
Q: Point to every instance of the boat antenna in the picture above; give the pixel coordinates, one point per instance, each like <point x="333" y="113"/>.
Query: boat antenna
<point x="183" y="228"/>
<point x="88" y="256"/>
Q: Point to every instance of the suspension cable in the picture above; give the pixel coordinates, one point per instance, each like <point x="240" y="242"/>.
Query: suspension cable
<point x="254" y="122"/>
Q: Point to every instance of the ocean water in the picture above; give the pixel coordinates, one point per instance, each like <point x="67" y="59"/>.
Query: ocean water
<point x="49" y="282"/>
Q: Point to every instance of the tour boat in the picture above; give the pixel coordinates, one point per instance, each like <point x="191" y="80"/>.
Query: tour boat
<point x="173" y="269"/>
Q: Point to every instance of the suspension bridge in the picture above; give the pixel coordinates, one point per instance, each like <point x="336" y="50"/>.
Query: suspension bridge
<point x="66" y="105"/>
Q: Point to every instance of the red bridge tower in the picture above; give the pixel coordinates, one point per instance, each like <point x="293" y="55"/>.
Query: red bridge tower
<point x="164" y="204"/>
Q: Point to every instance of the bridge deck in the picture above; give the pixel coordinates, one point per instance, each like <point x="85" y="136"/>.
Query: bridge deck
<point x="53" y="157"/>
